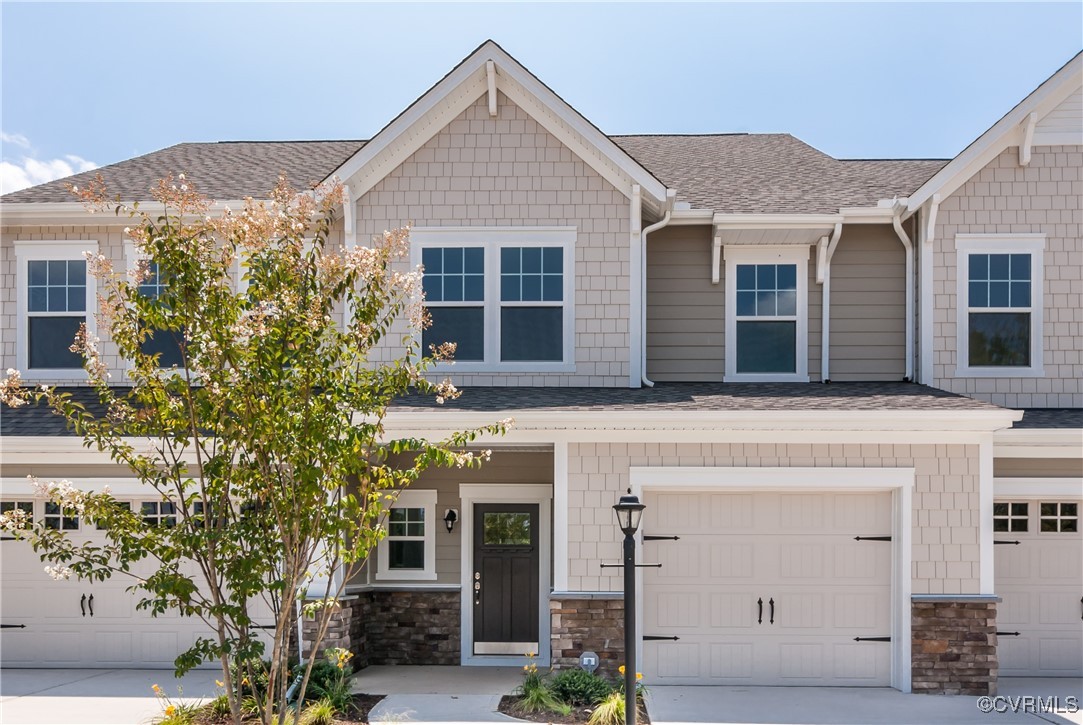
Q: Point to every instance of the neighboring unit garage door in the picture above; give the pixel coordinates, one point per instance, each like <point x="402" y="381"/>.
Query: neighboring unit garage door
<point x="738" y="549"/>
<point x="73" y="623"/>
<point x="1040" y="582"/>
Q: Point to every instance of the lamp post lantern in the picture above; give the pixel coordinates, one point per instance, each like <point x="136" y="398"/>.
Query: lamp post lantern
<point x="629" y="512"/>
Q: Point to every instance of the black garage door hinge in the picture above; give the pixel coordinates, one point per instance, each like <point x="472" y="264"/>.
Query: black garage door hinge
<point x="872" y="639"/>
<point x="1013" y="543"/>
<point x="12" y="626"/>
<point x="872" y="538"/>
<point x="656" y="637"/>
<point x="1007" y="634"/>
<point x="649" y="537"/>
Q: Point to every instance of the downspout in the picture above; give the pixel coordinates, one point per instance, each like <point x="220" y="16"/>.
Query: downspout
<point x="825" y="307"/>
<point x="896" y="221"/>
<point x="670" y="197"/>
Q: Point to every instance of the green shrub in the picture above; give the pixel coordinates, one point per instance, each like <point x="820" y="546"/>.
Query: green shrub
<point x="339" y="693"/>
<point x="325" y="677"/>
<point x="219" y="707"/>
<point x="579" y="687"/>
<point x="610" y="711"/>
<point x="321" y="712"/>
<point x="540" y="699"/>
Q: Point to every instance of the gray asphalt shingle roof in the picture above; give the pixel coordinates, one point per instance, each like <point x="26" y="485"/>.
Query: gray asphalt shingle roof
<point x="752" y="173"/>
<point x="735" y="397"/>
<point x="1052" y="418"/>
<point x="227" y="170"/>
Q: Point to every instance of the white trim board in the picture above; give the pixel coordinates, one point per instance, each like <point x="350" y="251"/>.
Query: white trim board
<point x="1035" y="487"/>
<point x="470" y="494"/>
<point x="900" y="481"/>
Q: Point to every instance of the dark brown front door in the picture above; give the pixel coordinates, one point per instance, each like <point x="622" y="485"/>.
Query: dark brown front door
<point x="505" y="579"/>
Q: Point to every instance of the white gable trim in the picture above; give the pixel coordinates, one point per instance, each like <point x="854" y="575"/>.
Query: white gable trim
<point x="1007" y="132"/>
<point x="463" y="86"/>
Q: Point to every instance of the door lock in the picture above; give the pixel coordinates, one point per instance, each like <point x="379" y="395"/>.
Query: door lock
<point x="477" y="587"/>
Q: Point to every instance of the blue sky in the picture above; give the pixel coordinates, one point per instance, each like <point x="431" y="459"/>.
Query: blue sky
<point x="93" y="83"/>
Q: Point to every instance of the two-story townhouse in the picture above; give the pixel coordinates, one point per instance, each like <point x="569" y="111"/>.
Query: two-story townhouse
<point x="872" y="484"/>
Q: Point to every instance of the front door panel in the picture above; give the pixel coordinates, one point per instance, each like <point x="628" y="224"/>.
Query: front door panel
<point x="505" y="579"/>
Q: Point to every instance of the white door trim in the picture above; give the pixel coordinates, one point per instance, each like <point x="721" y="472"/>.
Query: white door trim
<point x="900" y="481"/>
<point x="470" y="494"/>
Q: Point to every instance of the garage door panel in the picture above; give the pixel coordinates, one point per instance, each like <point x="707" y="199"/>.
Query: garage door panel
<point x="1063" y="654"/>
<point x="676" y="512"/>
<point x="1061" y="607"/>
<point x="730" y="661"/>
<point x="826" y="588"/>
<point x="731" y="513"/>
<point x="732" y="611"/>
<point x="1060" y="561"/>
<point x="1013" y="562"/>
<point x="1014" y="608"/>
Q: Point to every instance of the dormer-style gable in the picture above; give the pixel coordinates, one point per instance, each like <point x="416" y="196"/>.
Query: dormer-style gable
<point x="487" y="71"/>
<point x="1052" y="115"/>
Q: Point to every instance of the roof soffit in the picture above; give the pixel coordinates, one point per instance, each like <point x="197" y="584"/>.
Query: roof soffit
<point x="1007" y="132"/>
<point x="462" y="87"/>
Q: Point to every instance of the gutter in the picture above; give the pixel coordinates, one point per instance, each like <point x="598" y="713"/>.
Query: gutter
<point x="671" y="195"/>
<point x="896" y="221"/>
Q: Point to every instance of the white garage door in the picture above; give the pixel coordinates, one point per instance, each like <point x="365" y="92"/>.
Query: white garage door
<point x="75" y="623"/>
<point x="791" y="556"/>
<point x="1040" y="581"/>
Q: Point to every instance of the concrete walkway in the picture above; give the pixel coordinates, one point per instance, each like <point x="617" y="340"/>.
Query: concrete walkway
<point x="861" y="706"/>
<point x="94" y="697"/>
<point x="438" y="694"/>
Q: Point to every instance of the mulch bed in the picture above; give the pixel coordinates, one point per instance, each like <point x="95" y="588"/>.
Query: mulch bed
<point x="509" y="705"/>
<point x="362" y="705"/>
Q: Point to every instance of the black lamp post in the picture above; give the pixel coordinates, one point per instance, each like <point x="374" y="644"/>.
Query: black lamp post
<point x="629" y="512"/>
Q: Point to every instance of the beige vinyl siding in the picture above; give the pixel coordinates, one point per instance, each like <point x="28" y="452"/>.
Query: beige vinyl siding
<point x="1066" y="118"/>
<point x="686" y="335"/>
<point x="868" y="305"/>
<point x="1038" y="468"/>
<point x="508" y="468"/>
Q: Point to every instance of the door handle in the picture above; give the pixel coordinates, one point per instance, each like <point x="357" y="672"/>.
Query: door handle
<point x="759" y="618"/>
<point x="82" y="604"/>
<point x="90" y="605"/>
<point x="772" y="603"/>
<point x="477" y="587"/>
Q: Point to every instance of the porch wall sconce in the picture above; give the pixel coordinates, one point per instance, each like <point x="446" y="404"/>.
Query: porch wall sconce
<point x="450" y="517"/>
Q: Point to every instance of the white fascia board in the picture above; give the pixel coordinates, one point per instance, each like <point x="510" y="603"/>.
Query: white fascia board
<point x="867" y="215"/>
<point x="819" y="222"/>
<point x="62" y="213"/>
<point x="1038" y="443"/>
<point x="605" y="147"/>
<point x="1006" y="132"/>
<point x="691" y="217"/>
<point x="463" y="86"/>
<point x="627" y="420"/>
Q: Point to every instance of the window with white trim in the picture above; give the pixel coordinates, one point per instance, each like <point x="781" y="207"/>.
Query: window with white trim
<point x="1010" y="516"/>
<point x="59" y="518"/>
<point x="999" y="305"/>
<point x="26" y="519"/>
<point x="158" y="513"/>
<point x="503" y="295"/>
<point x="55" y="296"/>
<point x="408" y="550"/>
<point x="766" y="314"/>
<point x="1058" y="517"/>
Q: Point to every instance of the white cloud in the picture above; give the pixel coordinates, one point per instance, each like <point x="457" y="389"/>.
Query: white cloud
<point x="15" y="138"/>
<point x="30" y="171"/>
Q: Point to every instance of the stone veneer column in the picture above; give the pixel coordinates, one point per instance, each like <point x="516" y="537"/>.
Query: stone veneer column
<point x="587" y="622"/>
<point x="954" y="644"/>
<point x="346" y="629"/>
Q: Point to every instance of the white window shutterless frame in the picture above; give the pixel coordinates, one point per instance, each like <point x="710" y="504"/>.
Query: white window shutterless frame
<point x="76" y="289"/>
<point x="492" y="241"/>
<point x="993" y="292"/>
<point x="795" y="256"/>
<point x="409" y="528"/>
<point x="163" y="343"/>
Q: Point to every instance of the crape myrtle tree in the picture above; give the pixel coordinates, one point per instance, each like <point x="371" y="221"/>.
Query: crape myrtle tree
<point x="276" y="406"/>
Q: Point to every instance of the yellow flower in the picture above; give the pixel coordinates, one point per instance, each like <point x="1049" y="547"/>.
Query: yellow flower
<point x="244" y="681"/>
<point x="219" y="683"/>
<point x="621" y="669"/>
<point x="157" y="690"/>
<point x="639" y="675"/>
<point x="170" y="710"/>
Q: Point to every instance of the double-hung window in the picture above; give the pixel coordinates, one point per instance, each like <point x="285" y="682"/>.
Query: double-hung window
<point x="408" y="550"/>
<point x="164" y="343"/>
<point x="766" y="314"/>
<point x="504" y="296"/>
<point x="55" y="296"/>
<point x="999" y="305"/>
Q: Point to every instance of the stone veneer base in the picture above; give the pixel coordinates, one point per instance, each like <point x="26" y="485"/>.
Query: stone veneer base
<point x="581" y="624"/>
<point x="954" y="645"/>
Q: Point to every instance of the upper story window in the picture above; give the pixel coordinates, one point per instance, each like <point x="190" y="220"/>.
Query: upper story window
<point x="999" y="305"/>
<point x="766" y="314"/>
<point x="504" y="296"/>
<point x="164" y="343"/>
<point x="408" y="551"/>
<point x="54" y="296"/>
